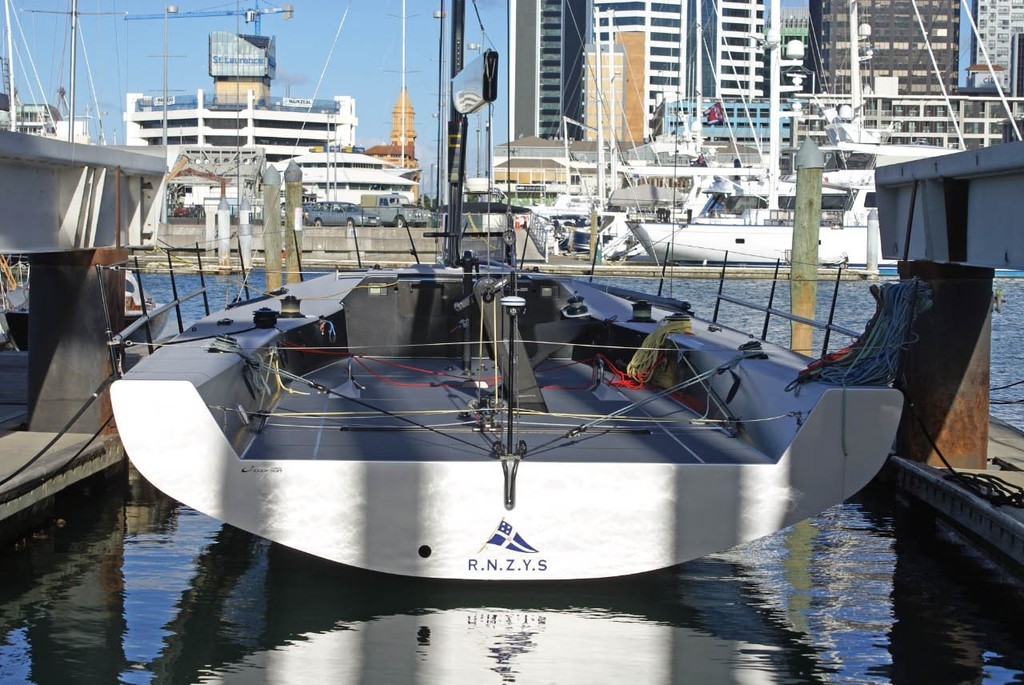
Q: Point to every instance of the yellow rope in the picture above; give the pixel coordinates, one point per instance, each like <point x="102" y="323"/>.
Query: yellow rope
<point x="641" y="366"/>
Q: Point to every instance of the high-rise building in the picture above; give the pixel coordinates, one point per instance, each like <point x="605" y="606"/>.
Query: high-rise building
<point x="997" y="21"/>
<point x="547" y="65"/>
<point x="549" y="57"/>
<point x="1017" y="65"/>
<point x="732" y="66"/>
<point x="897" y="45"/>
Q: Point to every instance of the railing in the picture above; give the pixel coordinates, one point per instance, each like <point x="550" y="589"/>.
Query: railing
<point x="212" y="102"/>
<point x="828" y="327"/>
<point x="117" y="342"/>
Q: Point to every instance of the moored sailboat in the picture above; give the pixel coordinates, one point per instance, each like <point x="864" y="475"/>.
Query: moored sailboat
<point x="469" y="420"/>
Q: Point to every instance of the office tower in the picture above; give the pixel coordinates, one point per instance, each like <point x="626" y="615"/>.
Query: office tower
<point x="998" y="23"/>
<point x="547" y="65"/>
<point x="896" y="44"/>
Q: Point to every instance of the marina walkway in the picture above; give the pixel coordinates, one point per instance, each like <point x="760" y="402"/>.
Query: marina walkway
<point x="35" y="467"/>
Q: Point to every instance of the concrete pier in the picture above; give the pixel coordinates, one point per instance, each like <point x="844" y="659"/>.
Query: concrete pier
<point x="997" y="529"/>
<point x="36" y="467"/>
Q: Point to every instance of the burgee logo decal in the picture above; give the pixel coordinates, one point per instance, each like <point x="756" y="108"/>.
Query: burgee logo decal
<point x="506" y="539"/>
<point x="506" y="536"/>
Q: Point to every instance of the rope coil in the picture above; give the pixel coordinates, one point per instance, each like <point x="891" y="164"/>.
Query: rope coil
<point x="873" y="359"/>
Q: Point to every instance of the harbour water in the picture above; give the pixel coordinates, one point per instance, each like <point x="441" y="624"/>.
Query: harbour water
<point x="132" y="587"/>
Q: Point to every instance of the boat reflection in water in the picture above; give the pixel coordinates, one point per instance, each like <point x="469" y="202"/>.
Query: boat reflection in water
<point x="284" y="617"/>
<point x="142" y="590"/>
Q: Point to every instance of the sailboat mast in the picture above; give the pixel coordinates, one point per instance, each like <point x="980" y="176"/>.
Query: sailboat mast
<point x="698" y="79"/>
<point x="855" y="87"/>
<point x="402" y="95"/>
<point x="599" y="102"/>
<point x="456" y="144"/>
<point x="74" y="50"/>
<point x="774" y="103"/>
<point x="613" y="114"/>
<point x="10" y="67"/>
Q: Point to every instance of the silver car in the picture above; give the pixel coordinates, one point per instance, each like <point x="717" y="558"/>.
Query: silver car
<point x="338" y="214"/>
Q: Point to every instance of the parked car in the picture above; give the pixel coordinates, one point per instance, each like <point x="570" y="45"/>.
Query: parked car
<point x="395" y="209"/>
<point x="338" y="214"/>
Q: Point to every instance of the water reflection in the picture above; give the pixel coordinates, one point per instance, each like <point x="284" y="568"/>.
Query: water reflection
<point x="136" y="589"/>
<point x="304" y="619"/>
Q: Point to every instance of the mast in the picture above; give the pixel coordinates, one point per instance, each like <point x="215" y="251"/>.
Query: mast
<point x="10" y="68"/>
<point x="74" y="48"/>
<point x="698" y="79"/>
<point x="855" y="86"/>
<point x="774" y="103"/>
<point x="403" y="96"/>
<point x="613" y="118"/>
<point x="456" y="145"/>
<point x="599" y="102"/>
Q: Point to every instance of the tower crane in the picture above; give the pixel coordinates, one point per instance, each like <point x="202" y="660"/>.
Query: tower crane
<point x="252" y="15"/>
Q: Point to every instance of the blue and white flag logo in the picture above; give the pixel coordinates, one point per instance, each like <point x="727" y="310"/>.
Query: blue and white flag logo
<point x="506" y="537"/>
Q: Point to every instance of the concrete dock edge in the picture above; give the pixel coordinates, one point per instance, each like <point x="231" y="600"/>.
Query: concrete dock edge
<point x="999" y="528"/>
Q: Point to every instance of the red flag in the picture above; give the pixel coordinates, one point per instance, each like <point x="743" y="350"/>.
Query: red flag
<point x="715" y="115"/>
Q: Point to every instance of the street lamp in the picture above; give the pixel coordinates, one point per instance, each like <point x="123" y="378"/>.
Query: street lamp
<point x="169" y="9"/>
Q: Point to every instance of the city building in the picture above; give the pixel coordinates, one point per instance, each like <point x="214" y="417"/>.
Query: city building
<point x="546" y="66"/>
<point x="401" y="151"/>
<point x="926" y="119"/>
<point x="241" y="112"/>
<point x="896" y="47"/>
<point x="1017" y="65"/>
<point x="997" y="21"/>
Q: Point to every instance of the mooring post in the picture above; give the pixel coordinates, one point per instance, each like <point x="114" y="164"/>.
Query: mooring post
<point x="68" y="358"/>
<point x="803" y="270"/>
<point x="245" y="234"/>
<point x="945" y="371"/>
<point x="272" y="243"/>
<point x="874" y="246"/>
<point x="223" y="233"/>
<point x="293" y="223"/>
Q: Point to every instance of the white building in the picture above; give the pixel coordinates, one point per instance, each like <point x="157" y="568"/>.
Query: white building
<point x="347" y="176"/>
<point x="998" y="21"/>
<point x="282" y="126"/>
<point x="240" y="112"/>
<point x="732" y="60"/>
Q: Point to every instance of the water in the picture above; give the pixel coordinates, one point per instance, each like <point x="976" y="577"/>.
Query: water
<point x="134" y="588"/>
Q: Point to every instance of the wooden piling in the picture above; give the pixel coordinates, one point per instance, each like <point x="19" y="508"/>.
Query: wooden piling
<point x="803" y="274"/>
<point x="272" y="243"/>
<point x="293" y="223"/>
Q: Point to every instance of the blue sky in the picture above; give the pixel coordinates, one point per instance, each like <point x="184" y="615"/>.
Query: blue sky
<point x="329" y="47"/>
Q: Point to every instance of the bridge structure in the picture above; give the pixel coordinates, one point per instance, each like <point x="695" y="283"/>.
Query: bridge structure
<point x="953" y="221"/>
<point x="70" y="207"/>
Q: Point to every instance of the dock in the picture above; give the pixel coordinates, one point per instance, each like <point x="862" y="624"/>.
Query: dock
<point x="37" y="467"/>
<point x="965" y="500"/>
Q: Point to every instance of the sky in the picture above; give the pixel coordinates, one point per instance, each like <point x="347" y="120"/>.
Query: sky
<point x="328" y="48"/>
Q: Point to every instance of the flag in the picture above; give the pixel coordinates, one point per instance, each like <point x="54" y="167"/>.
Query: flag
<point x="506" y="537"/>
<point x="715" y="115"/>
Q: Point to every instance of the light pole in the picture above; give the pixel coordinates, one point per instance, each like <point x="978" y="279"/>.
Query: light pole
<point x="169" y="9"/>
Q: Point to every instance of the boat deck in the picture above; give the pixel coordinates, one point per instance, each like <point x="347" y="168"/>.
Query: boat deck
<point x="420" y="410"/>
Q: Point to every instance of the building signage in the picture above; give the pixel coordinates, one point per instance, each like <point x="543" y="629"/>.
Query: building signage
<point x="237" y="56"/>
<point x="297" y="102"/>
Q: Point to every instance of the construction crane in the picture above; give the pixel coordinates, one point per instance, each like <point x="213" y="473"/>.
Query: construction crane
<point x="252" y="15"/>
